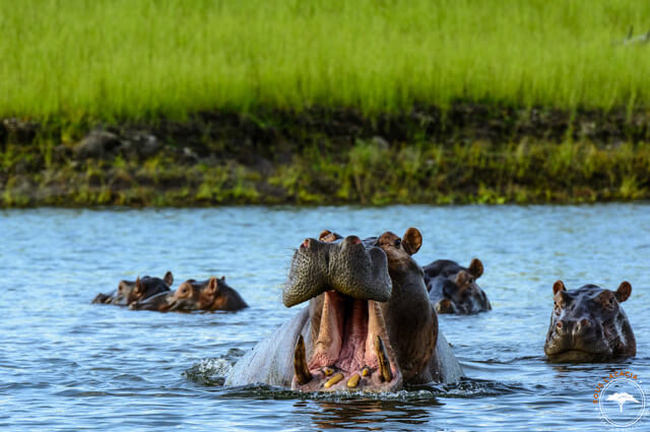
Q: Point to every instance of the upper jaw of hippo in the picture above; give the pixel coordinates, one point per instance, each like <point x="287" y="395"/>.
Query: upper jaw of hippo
<point x="350" y="267"/>
<point x="351" y="349"/>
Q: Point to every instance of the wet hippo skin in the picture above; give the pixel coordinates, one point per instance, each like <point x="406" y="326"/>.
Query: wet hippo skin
<point x="129" y="292"/>
<point x="588" y="324"/>
<point x="453" y="288"/>
<point x="368" y="326"/>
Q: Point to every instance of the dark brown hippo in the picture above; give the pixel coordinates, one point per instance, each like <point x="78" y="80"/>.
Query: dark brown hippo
<point x="129" y="292"/>
<point x="589" y="325"/>
<point x="160" y="302"/>
<point x="453" y="288"/>
<point x="208" y="295"/>
<point x="369" y="325"/>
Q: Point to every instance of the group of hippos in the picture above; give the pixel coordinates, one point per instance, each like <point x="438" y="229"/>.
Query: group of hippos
<point x="371" y="323"/>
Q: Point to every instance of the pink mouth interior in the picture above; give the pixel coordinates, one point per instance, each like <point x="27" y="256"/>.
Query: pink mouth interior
<point x="346" y="340"/>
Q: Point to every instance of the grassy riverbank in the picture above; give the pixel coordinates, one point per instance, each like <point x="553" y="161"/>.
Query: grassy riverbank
<point x="123" y="60"/>
<point x="467" y="154"/>
<point x="201" y="102"/>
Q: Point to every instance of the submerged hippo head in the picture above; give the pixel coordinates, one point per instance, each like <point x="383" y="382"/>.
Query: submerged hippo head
<point x="208" y="295"/>
<point x="453" y="288"/>
<point x="147" y="287"/>
<point x="370" y="324"/>
<point x="130" y="292"/>
<point x="159" y="302"/>
<point x="589" y="324"/>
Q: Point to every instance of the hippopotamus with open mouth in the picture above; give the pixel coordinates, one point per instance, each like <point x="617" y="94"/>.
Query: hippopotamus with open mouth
<point x="129" y="292"/>
<point x="589" y="325"/>
<point x="453" y="288"/>
<point x="369" y="325"/>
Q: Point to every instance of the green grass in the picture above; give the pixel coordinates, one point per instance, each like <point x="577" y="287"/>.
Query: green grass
<point x="365" y="173"/>
<point x="101" y="59"/>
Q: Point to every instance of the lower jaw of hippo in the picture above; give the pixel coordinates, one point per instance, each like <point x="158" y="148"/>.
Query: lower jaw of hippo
<point x="577" y="356"/>
<point x="352" y="351"/>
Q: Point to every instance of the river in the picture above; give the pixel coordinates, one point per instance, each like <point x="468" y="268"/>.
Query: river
<point x="67" y="364"/>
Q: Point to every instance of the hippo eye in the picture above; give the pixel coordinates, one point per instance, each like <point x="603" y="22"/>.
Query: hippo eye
<point x="558" y="308"/>
<point x="397" y="242"/>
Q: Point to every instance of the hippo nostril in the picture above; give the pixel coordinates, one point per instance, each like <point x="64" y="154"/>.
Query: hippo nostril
<point x="585" y="323"/>
<point x="305" y="244"/>
<point x="559" y="324"/>
<point x="353" y="240"/>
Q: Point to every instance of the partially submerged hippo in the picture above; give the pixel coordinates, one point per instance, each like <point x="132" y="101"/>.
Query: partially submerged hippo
<point x="453" y="288"/>
<point x="588" y="324"/>
<point x="369" y="324"/>
<point x="160" y="302"/>
<point x="129" y="292"/>
<point x="208" y="295"/>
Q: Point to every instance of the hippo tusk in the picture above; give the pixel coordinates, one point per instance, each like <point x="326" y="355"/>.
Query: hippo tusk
<point x="384" y="363"/>
<point x="303" y="376"/>
<point x="336" y="378"/>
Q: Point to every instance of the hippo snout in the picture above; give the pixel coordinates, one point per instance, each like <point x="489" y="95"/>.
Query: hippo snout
<point x="347" y="266"/>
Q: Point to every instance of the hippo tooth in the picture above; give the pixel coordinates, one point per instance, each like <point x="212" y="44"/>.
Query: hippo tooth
<point x="365" y="371"/>
<point x="336" y="378"/>
<point x="353" y="382"/>
<point x="384" y="363"/>
<point x="303" y="376"/>
<point x="328" y="371"/>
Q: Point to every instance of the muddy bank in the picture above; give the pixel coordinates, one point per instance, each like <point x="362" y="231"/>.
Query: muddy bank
<point x="468" y="153"/>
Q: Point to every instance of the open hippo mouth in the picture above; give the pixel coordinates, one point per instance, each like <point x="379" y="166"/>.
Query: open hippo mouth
<point x="348" y="346"/>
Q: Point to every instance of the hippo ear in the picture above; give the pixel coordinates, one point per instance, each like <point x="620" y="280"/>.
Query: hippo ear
<point x="324" y="234"/>
<point x="213" y="286"/>
<point x="412" y="241"/>
<point x="623" y="292"/>
<point x="138" y="286"/>
<point x="169" y="278"/>
<point x="476" y="268"/>
<point x="558" y="286"/>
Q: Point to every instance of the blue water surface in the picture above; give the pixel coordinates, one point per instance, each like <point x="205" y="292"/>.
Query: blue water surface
<point x="67" y="364"/>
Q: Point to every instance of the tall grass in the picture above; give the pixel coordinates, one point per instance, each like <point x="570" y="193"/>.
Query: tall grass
<point x="143" y="58"/>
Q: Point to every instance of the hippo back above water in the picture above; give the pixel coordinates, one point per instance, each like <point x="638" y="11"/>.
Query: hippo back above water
<point x="369" y="325"/>
<point x="453" y="288"/>
<point x="588" y="324"/>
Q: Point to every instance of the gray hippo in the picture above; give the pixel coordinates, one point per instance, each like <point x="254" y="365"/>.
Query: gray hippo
<point x="589" y="325"/>
<point x="129" y="292"/>
<point x="453" y="288"/>
<point x="369" y="325"/>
